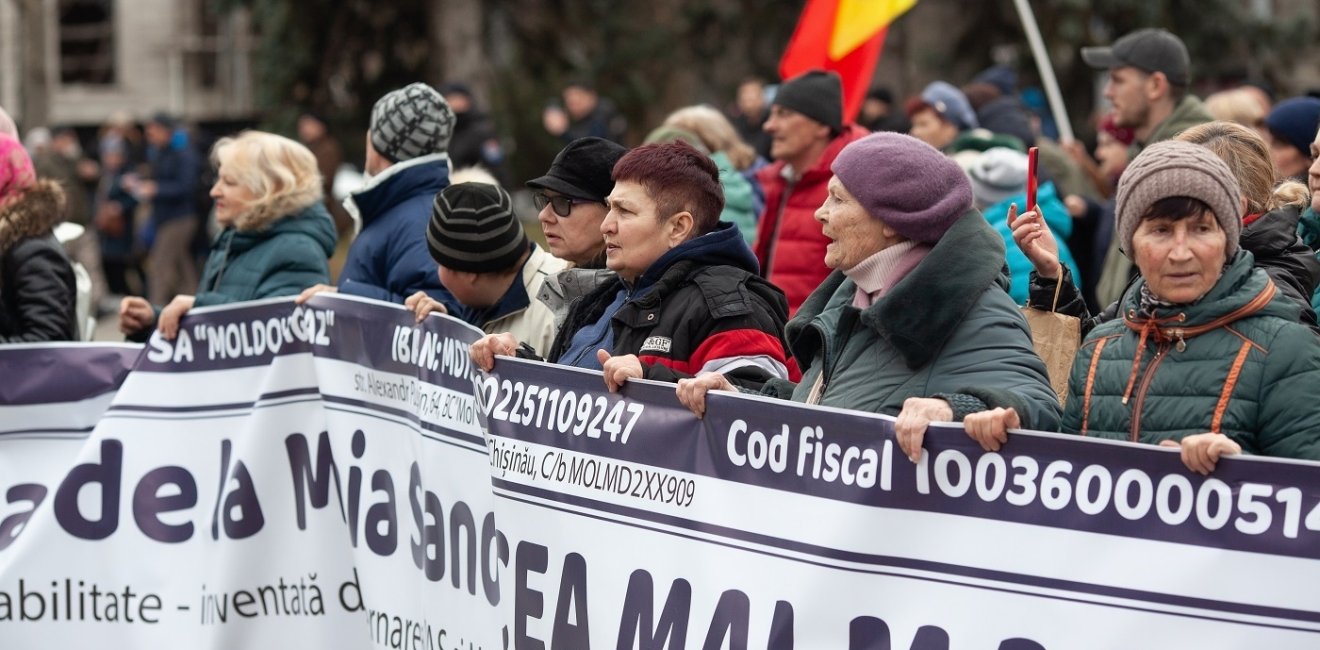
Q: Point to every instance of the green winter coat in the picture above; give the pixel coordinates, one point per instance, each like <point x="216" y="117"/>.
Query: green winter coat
<point x="1235" y="362"/>
<point x="281" y="259"/>
<point x="948" y="329"/>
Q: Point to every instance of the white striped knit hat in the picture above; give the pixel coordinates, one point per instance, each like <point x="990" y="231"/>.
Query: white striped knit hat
<point x="411" y="122"/>
<point x="473" y="229"/>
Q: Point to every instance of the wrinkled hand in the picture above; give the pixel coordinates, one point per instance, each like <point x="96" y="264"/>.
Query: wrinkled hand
<point x="692" y="392"/>
<point x="423" y="305"/>
<point x="168" y="326"/>
<point x="990" y="428"/>
<point x="1201" y="451"/>
<point x="484" y="350"/>
<point x="135" y="315"/>
<point x="313" y="290"/>
<point x="1034" y="238"/>
<point x="916" y="416"/>
<point x="619" y="369"/>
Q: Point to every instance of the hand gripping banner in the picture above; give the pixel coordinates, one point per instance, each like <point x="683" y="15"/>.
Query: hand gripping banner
<point x="336" y="475"/>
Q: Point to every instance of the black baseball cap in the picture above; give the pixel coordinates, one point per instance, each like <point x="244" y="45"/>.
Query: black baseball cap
<point x="583" y="170"/>
<point x="1151" y="50"/>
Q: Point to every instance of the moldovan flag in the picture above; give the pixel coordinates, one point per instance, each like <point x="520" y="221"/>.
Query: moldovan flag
<point x="845" y="36"/>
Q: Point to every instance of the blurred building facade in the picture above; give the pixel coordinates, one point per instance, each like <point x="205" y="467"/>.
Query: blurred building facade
<point x="75" y="62"/>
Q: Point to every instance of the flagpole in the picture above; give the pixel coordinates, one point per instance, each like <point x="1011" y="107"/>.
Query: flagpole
<point x="1046" y="70"/>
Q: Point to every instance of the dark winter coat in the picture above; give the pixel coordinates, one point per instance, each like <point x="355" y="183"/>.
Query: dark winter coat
<point x="176" y="171"/>
<point x="476" y="142"/>
<point x="281" y="259"/>
<point x="389" y="260"/>
<point x="1235" y="362"/>
<point x="1274" y="244"/>
<point x="1308" y="228"/>
<point x="37" y="286"/>
<point x="700" y="307"/>
<point x="268" y="259"/>
<point x="948" y="329"/>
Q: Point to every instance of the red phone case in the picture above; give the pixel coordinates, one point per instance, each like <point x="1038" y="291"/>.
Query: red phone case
<point x="1032" y="154"/>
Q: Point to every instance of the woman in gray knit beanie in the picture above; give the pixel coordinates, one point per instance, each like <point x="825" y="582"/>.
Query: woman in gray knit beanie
<point x="1209" y="356"/>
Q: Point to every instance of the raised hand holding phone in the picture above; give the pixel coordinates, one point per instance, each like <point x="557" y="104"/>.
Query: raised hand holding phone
<point x="1032" y="155"/>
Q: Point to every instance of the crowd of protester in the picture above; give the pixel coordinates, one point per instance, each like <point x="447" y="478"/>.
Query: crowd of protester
<point x="777" y="247"/>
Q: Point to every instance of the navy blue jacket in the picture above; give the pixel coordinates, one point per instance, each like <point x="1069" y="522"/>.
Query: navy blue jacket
<point x="389" y="260"/>
<point x="176" y="171"/>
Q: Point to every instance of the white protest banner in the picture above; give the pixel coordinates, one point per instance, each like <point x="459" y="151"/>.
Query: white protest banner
<point x="318" y="476"/>
<point x="257" y="483"/>
<point x="773" y="525"/>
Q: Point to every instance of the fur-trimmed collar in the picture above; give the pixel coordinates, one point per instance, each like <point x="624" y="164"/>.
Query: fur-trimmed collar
<point x="32" y="213"/>
<point x="922" y="311"/>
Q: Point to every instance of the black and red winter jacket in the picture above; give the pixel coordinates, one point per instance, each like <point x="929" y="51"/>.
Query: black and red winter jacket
<point x="701" y="306"/>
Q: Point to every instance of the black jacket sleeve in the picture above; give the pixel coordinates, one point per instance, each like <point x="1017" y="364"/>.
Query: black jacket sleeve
<point x="40" y="293"/>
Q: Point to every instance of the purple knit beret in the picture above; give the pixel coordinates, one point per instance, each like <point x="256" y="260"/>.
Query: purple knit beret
<point x="906" y="183"/>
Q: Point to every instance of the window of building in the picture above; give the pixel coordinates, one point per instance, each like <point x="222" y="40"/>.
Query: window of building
<point x="87" y="41"/>
<point x="205" y="59"/>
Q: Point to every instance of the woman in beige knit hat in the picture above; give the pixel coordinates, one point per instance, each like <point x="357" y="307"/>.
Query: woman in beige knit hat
<point x="1209" y="356"/>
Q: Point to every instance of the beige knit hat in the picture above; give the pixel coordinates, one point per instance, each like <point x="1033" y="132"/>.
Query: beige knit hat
<point x="1174" y="168"/>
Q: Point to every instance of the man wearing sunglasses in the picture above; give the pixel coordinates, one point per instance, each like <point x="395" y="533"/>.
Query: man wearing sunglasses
<point x="570" y="199"/>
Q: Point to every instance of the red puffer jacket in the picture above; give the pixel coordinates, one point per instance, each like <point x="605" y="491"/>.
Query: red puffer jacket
<point x="789" y="243"/>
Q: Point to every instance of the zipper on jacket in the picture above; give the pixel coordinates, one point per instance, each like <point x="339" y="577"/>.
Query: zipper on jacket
<point x="1143" y="387"/>
<point x="826" y="365"/>
<point x="1181" y="345"/>
<point x="826" y="368"/>
<point x="224" y="263"/>
<point x="831" y="362"/>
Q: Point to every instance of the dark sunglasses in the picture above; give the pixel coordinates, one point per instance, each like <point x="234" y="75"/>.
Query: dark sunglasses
<point x="562" y="205"/>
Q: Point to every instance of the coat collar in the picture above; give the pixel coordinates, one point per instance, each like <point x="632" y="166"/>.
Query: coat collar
<point x="313" y="221"/>
<point x="921" y="312"/>
<point x="1236" y="295"/>
<point x="396" y="184"/>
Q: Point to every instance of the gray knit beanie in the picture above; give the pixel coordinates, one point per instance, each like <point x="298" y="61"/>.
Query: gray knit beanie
<point x="473" y="229"/>
<point x="818" y="94"/>
<point x="1174" y="168"/>
<point x="411" y="122"/>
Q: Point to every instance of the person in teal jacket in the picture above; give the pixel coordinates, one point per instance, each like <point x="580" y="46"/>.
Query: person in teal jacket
<point x="737" y="191"/>
<point x="999" y="181"/>
<point x="277" y="236"/>
<point x="1309" y="225"/>
<point x="1209" y="356"/>
<point x="737" y="160"/>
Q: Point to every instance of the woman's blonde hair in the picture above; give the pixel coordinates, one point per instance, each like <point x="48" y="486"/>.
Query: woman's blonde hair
<point x="1236" y="105"/>
<point x="1248" y="156"/>
<point x="280" y="173"/>
<point x="715" y="131"/>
